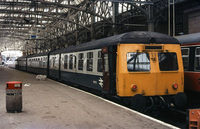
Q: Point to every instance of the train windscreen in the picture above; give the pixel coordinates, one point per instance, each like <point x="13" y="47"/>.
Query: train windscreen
<point x="168" y="61"/>
<point x="138" y="61"/>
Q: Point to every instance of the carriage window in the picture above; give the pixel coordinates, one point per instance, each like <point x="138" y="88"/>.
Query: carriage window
<point x="168" y="61"/>
<point x="71" y="62"/>
<point x="80" y="61"/>
<point x="185" y="56"/>
<point x="138" y="61"/>
<point x="89" y="61"/>
<point x="197" y="59"/>
<point x="65" y="61"/>
<point x="99" y="63"/>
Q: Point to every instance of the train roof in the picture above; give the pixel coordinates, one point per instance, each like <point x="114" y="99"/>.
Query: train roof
<point x="136" y="37"/>
<point x="21" y="58"/>
<point x="189" y="38"/>
<point x="39" y="54"/>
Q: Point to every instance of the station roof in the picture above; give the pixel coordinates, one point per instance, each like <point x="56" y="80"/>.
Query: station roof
<point x="26" y="23"/>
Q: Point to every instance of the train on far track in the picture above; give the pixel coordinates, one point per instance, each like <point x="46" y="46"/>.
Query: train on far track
<point x="190" y="47"/>
<point x="142" y="68"/>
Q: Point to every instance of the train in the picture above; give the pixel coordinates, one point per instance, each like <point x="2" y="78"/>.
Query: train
<point x="142" y="68"/>
<point x="190" y="47"/>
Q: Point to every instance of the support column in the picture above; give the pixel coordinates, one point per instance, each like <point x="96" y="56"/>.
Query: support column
<point x="115" y="12"/>
<point x="150" y="19"/>
<point x="151" y="25"/>
<point x="77" y="28"/>
<point x="92" y="22"/>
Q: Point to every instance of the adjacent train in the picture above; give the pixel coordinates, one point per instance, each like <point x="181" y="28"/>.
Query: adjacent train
<point x="190" y="47"/>
<point x="143" y="68"/>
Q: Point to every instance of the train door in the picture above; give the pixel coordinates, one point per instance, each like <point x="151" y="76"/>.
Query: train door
<point x="106" y="76"/>
<point x="109" y="70"/>
<point x="72" y="62"/>
<point x="75" y="70"/>
<point x="72" y="67"/>
<point x="59" y="68"/>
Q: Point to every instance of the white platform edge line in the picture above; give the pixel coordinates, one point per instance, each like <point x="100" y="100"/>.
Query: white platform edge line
<point x="138" y="113"/>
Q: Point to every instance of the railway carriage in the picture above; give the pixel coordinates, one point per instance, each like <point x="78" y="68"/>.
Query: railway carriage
<point x="21" y="63"/>
<point x="37" y="63"/>
<point x="143" y="68"/>
<point x="54" y="65"/>
<point x="190" y="47"/>
<point x="82" y="67"/>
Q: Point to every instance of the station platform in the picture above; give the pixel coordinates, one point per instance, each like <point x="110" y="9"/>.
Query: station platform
<point x="52" y="105"/>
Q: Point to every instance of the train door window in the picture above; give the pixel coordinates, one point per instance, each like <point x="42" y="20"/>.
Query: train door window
<point x="106" y="66"/>
<point x="197" y="59"/>
<point x="54" y="61"/>
<point x="37" y="62"/>
<point x="65" y="61"/>
<point x="138" y="61"/>
<point x="89" y="61"/>
<point x="44" y="62"/>
<point x="71" y="61"/>
<point x="185" y="56"/>
<point x="29" y="62"/>
<point x="50" y="62"/>
<point x="40" y="62"/>
<point x="168" y="61"/>
<point x="99" y="63"/>
<point x="80" y="61"/>
<point x="74" y="61"/>
<point x="34" y="60"/>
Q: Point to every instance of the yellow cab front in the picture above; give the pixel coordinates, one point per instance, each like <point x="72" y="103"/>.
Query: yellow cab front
<point x="149" y="70"/>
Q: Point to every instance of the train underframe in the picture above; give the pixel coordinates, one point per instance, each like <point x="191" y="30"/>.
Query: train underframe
<point x="156" y="103"/>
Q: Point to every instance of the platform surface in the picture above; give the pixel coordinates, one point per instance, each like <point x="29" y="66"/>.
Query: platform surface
<point x="51" y="105"/>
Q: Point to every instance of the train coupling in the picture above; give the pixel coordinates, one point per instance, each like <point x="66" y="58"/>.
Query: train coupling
<point x="180" y="100"/>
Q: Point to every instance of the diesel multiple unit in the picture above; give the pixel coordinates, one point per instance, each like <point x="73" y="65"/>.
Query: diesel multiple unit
<point x="143" y="68"/>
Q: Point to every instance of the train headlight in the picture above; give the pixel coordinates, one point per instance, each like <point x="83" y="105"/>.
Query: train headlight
<point x="133" y="87"/>
<point x="175" y="85"/>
